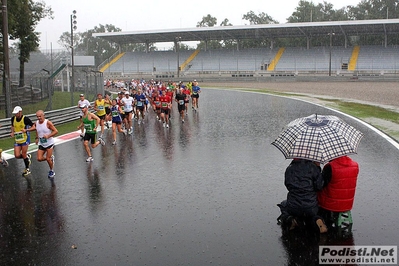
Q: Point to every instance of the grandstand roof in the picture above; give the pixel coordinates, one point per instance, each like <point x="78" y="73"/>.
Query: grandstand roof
<point x="261" y="31"/>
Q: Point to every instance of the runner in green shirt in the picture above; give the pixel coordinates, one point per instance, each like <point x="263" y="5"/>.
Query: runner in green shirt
<point x="90" y="123"/>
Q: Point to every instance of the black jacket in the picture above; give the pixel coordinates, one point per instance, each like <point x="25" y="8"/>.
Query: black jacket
<point x="303" y="179"/>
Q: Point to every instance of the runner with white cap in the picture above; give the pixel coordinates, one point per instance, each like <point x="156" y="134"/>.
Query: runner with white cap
<point x="82" y="101"/>
<point x="22" y="139"/>
<point x="127" y="102"/>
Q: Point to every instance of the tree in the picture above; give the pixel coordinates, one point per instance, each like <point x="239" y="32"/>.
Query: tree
<point x="138" y="47"/>
<point x="226" y="22"/>
<point x="26" y="16"/>
<point x="207" y="21"/>
<point x="65" y="39"/>
<point x="97" y="47"/>
<point x="261" y="18"/>
<point x="308" y="12"/>
<point x="375" y="9"/>
<point x="228" y="43"/>
<point x="86" y="44"/>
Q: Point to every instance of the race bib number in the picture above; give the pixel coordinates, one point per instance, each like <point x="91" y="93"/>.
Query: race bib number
<point x="88" y="127"/>
<point x="139" y="104"/>
<point x="101" y="107"/>
<point x="19" y="136"/>
<point x="43" y="140"/>
<point x="181" y="102"/>
<point x="164" y="105"/>
<point x="115" y="113"/>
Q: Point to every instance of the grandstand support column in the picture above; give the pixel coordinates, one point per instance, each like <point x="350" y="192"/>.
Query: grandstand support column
<point x="6" y="61"/>
<point x="329" y="64"/>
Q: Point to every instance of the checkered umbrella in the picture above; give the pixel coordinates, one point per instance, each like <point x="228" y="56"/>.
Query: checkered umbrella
<point x="319" y="138"/>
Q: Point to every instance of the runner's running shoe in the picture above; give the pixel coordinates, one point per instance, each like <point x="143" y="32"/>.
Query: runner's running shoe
<point x="4" y="162"/>
<point x="51" y="174"/>
<point x="26" y="172"/>
<point x="89" y="159"/>
<point x="102" y="142"/>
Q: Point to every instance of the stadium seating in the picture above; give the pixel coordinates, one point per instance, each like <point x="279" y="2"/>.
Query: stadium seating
<point x="379" y="60"/>
<point x="294" y="59"/>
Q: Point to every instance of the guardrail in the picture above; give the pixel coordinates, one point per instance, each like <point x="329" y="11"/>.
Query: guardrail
<point x="58" y="117"/>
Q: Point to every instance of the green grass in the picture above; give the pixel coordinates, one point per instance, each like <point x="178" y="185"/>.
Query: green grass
<point x="364" y="110"/>
<point x="60" y="100"/>
<point x="358" y="110"/>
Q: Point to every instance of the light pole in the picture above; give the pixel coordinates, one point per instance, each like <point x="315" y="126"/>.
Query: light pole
<point x="329" y="65"/>
<point x="6" y="60"/>
<point x="73" y="27"/>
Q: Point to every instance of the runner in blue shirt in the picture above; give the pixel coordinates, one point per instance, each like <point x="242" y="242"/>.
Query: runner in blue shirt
<point x="195" y="95"/>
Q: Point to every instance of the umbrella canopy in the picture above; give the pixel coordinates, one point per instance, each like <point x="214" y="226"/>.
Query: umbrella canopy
<point x="319" y="138"/>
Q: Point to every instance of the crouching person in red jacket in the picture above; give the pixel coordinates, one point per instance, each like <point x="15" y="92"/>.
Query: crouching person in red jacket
<point x="338" y="193"/>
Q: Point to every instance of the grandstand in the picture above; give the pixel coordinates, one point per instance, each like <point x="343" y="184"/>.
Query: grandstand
<point x="270" y="61"/>
<point x="292" y="61"/>
<point x="342" y="60"/>
<point x="224" y="63"/>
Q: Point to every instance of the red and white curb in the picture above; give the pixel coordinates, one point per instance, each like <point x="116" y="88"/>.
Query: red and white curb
<point x="9" y="154"/>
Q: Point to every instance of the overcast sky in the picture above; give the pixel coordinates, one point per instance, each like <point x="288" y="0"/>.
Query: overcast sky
<point x="131" y="15"/>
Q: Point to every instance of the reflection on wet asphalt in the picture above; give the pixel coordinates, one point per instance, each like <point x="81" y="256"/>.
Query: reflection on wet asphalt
<point x="202" y="192"/>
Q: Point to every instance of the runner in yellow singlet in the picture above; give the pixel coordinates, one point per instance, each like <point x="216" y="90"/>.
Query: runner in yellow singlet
<point x="108" y="103"/>
<point x="22" y="140"/>
<point x="99" y="107"/>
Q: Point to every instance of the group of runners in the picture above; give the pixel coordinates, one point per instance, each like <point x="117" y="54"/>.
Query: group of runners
<point x="21" y="126"/>
<point x="131" y="104"/>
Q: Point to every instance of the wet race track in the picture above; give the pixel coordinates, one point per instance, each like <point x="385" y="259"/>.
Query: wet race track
<point x="199" y="193"/>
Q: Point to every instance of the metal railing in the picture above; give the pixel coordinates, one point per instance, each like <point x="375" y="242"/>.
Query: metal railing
<point x="58" y="117"/>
